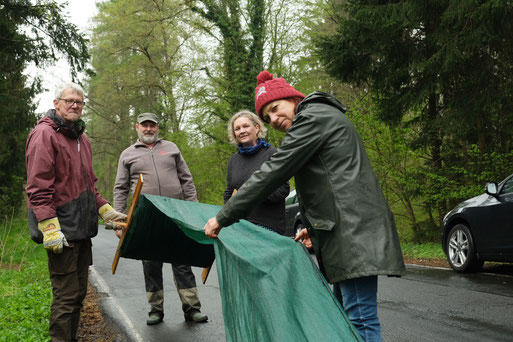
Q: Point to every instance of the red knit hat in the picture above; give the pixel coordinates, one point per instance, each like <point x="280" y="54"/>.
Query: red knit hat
<point x="270" y="89"/>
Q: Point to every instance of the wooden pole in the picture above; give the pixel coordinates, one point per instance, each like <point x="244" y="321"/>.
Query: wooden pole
<point x="126" y="226"/>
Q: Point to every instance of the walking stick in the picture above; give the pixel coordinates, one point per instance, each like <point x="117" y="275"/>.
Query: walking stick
<point x="126" y="226"/>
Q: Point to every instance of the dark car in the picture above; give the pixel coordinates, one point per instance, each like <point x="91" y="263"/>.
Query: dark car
<point x="480" y="229"/>
<point x="293" y="219"/>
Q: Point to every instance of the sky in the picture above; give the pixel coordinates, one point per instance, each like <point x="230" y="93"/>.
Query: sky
<point x="80" y="13"/>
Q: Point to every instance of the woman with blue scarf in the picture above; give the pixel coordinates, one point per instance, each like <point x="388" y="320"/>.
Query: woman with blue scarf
<point x="247" y="132"/>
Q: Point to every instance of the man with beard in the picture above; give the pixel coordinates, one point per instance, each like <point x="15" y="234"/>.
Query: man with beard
<point x="165" y="174"/>
<point x="64" y="204"/>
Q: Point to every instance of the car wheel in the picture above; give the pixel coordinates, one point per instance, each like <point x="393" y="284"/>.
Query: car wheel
<point x="461" y="251"/>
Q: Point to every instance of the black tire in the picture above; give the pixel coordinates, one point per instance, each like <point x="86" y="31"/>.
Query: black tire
<point x="461" y="250"/>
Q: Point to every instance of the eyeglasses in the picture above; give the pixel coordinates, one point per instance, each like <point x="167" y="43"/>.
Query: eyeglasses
<point x="72" y="102"/>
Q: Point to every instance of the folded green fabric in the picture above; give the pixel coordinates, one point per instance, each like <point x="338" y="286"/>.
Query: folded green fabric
<point x="270" y="288"/>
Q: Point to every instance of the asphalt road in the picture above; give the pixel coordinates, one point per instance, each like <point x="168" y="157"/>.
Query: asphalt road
<point x="428" y="304"/>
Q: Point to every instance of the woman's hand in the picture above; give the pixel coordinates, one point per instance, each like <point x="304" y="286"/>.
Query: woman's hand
<point x="303" y="234"/>
<point x="212" y="228"/>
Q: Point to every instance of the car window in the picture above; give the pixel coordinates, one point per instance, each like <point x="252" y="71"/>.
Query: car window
<point x="508" y="187"/>
<point x="291" y="198"/>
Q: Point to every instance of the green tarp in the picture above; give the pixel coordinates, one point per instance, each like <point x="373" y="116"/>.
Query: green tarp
<point x="270" y="288"/>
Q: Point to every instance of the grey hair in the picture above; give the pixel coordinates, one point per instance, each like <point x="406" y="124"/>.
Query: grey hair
<point x="253" y="118"/>
<point x="68" y="85"/>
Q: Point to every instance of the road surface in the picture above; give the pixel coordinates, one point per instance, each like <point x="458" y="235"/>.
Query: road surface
<point x="428" y="304"/>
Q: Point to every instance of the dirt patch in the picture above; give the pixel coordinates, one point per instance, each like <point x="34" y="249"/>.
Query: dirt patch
<point x="93" y="326"/>
<point x="10" y="267"/>
<point x="435" y="262"/>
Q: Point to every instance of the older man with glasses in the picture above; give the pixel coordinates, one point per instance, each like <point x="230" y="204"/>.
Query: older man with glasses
<point x="64" y="205"/>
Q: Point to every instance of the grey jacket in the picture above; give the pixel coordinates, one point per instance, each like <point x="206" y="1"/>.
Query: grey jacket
<point x="348" y="218"/>
<point x="164" y="170"/>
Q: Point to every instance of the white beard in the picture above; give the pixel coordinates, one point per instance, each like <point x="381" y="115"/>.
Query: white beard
<point x="147" y="139"/>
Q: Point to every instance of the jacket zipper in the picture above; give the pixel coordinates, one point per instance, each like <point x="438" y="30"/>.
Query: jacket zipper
<point x="85" y="179"/>
<point x="155" y="167"/>
<point x="82" y="163"/>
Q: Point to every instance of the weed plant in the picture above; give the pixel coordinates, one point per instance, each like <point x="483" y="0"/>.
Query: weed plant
<point x="25" y="289"/>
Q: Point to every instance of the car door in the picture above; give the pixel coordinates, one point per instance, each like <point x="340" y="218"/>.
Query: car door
<point x="499" y="223"/>
<point x="291" y="210"/>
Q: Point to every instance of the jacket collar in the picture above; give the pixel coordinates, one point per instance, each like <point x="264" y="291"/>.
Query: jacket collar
<point x="319" y="96"/>
<point x="138" y="143"/>
<point x="73" y="131"/>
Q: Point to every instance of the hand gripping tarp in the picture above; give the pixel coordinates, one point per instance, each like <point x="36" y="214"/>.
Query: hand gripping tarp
<point x="270" y="288"/>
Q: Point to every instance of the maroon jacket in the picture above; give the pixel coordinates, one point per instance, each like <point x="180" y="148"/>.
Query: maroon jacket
<point x="60" y="179"/>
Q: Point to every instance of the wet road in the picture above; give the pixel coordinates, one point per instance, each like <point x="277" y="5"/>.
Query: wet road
<point x="428" y="304"/>
<point x="441" y="305"/>
<point x="124" y="299"/>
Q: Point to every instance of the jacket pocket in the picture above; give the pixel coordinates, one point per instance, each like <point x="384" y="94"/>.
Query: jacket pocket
<point x="64" y="263"/>
<point x="318" y="222"/>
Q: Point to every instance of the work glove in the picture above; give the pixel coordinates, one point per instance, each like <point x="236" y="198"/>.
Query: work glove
<point x="53" y="239"/>
<point x="110" y="216"/>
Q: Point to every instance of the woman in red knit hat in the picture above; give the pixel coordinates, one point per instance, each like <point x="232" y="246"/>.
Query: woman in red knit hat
<point x="350" y="226"/>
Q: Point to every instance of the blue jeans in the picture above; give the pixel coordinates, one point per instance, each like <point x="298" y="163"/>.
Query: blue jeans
<point x="358" y="297"/>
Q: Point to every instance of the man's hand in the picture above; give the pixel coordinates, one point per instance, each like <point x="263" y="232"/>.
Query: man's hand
<point x="303" y="234"/>
<point x="212" y="228"/>
<point x="118" y="233"/>
<point x="53" y="239"/>
<point x="110" y="216"/>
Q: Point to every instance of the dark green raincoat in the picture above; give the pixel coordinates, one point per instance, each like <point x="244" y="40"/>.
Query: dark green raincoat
<point x="348" y="218"/>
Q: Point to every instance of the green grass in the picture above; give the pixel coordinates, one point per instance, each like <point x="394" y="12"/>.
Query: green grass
<point x="25" y="289"/>
<point x="427" y="250"/>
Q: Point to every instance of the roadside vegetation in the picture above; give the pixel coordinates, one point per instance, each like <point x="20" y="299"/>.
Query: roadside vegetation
<point x="25" y="290"/>
<point x="427" y="250"/>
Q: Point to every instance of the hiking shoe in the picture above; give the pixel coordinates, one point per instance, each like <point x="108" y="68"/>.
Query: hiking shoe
<point x="155" y="318"/>
<point x="196" y="317"/>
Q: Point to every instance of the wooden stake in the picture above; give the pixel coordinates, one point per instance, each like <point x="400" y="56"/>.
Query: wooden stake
<point x="126" y="226"/>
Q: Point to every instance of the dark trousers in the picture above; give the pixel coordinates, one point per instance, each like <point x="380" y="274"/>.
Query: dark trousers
<point x="185" y="284"/>
<point x="68" y="274"/>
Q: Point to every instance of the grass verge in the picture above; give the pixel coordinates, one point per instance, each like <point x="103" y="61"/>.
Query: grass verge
<point x="427" y="250"/>
<point x="25" y="289"/>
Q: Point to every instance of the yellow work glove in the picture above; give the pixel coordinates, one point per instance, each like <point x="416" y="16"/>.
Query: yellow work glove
<point x="53" y="239"/>
<point x="110" y="216"/>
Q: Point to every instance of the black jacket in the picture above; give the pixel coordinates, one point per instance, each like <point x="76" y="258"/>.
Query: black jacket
<point x="269" y="212"/>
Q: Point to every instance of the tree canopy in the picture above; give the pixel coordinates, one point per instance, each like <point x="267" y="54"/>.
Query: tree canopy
<point x="441" y="68"/>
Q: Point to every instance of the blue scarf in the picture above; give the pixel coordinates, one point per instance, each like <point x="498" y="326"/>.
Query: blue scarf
<point x="253" y="149"/>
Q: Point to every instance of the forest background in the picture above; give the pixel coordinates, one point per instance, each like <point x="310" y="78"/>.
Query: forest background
<point x="428" y="84"/>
